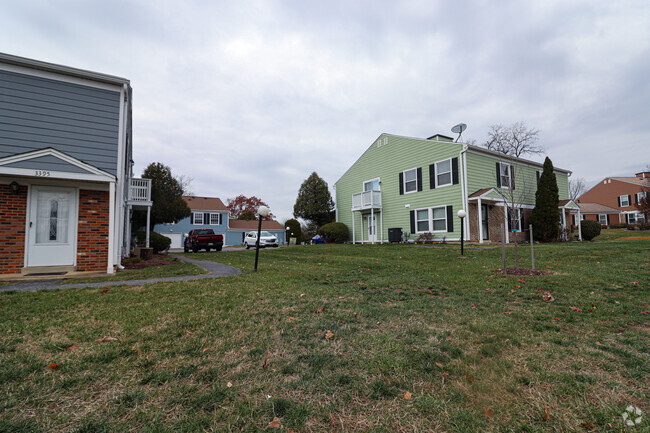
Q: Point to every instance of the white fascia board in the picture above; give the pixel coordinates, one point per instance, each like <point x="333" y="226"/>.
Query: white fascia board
<point x="28" y="172"/>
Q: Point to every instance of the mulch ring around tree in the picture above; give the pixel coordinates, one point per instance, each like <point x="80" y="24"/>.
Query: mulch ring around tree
<point x="157" y="260"/>
<point x="524" y="271"/>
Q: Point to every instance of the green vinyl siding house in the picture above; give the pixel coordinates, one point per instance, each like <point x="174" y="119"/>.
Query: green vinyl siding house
<point x="417" y="186"/>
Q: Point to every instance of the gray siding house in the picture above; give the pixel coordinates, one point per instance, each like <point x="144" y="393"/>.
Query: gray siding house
<point x="66" y="184"/>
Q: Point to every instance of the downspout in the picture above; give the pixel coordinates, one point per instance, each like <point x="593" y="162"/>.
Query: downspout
<point x="462" y="156"/>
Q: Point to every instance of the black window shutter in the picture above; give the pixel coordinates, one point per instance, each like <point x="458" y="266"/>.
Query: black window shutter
<point x="192" y="218"/>
<point x="619" y="201"/>
<point x="450" y="218"/>
<point x="206" y="218"/>
<point x="412" y="221"/>
<point x="608" y="223"/>
<point x="636" y="198"/>
<point x="419" y="171"/>
<point x="432" y="176"/>
<point x="401" y="183"/>
<point x="512" y="176"/>
<point x="629" y="199"/>
<point x="498" y="175"/>
<point x="454" y="170"/>
<point x="627" y="218"/>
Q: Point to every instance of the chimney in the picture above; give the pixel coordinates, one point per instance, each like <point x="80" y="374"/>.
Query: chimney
<point x="643" y="175"/>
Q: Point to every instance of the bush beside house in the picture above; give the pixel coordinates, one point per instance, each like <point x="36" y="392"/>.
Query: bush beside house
<point x="590" y="229"/>
<point x="334" y="233"/>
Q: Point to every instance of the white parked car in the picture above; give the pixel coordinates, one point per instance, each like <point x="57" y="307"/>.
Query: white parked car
<point x="266" y="239"/>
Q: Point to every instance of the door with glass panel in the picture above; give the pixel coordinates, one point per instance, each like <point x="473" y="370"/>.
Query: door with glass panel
<point x="371" y="223"/>
<point x="51" y="226"/>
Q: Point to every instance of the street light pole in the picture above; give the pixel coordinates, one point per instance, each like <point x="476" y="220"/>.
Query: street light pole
<point x="262" y="211"/>
<point x="462" y="214"/>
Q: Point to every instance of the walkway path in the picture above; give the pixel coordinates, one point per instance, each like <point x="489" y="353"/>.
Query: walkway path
<point x="215" y="270"/>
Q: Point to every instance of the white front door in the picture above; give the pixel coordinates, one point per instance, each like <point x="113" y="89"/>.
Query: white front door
<point x="52" y="226"/>
<point x="371" y="223"/>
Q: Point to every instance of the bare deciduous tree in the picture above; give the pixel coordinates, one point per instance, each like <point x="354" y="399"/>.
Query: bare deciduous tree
<point x="514" y="140"/>
<point x="186" y="183"/>
<point x="577" y="187"/>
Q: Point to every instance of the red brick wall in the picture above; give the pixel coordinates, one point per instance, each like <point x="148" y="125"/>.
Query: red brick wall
<point x="92" y="233"/>
<point x="13" y="210"/>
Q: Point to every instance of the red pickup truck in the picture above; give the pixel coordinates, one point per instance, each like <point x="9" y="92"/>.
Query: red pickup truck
<point x="199" y="239"/>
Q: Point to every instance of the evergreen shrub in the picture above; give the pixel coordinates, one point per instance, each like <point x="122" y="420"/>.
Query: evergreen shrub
<point x="590" y="229"/>
<point x="334" y="232"/>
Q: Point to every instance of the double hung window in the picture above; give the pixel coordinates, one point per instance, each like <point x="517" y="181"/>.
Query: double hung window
<point x="215" y="219"/>
<point x="410" y="180"/>
<point x="624" y="200"/>
<point x="431" y="219"/>
<point x="602" y="219"/>
<point x="443" y="173"/>
<point x="197" y="218"/>
<point x="505" y="173"/>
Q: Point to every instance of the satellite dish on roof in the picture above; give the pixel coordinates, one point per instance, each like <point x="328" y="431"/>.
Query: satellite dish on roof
<point x="458" y="129"/>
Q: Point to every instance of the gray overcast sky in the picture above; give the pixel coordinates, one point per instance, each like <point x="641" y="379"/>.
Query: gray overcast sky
<point x="250" y="97"/>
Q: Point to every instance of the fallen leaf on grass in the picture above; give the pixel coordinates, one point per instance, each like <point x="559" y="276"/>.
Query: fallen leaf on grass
<point x="188" y="332"/>
<point x="548" y="297"/>
<point x="547" y="413"/>
<point x="557" y="318"/>
<point x="645" y="312"/>
<point x="439" y="365"/>
<point x="106" y="340"/>
<point x="302" y="295"/>
<point x="598" y="343"/>
<point x="513" y="290"/>
<point x="275" y="423"/>
<point x="104" y="291"/>
<point x="523" y="281"/>
<point x="291" y="319"/>
<point x="321" y="310"/>
<point x="408" y="395"/>
<point x="135" y="348"/>
<point x="488" y="413"/>
<point x="54" y="366"/>
<point x="636" y="283"/>
<point x="266" y="359"/>
<point x="205" y="349"/>
<point x="329" y="335"/>
<point x="587" y="426"/>
<point x="575" y="309"/>
<point x="341" y="297"/>
<point x="229" y="385"/>
<point x="469" y="378"/>
<point x="72" y="347"/>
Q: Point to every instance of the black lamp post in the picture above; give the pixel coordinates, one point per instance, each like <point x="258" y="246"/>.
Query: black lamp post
<point x="462" y="214"/>
<point x="262" y="211"/>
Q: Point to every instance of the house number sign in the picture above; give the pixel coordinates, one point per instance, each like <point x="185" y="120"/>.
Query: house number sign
<point x="42" y="173"/>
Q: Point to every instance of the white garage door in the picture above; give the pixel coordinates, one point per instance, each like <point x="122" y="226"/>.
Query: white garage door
<point x="177" y="239"/>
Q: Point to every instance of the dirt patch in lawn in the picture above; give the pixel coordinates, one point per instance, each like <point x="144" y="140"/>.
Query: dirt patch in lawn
<point x="157" y="260"/>
<point x="634" y="238"/>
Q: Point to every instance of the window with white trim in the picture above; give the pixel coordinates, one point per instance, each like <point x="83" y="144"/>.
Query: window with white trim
<point x="624" y="200"/>
<point x="505" y="172"/>
<point x="602" y="219"/>
<point x="422" y="220"/>
<point x="371" y="185"/>
<point x="197" y="218"/>
<point x="640" y="196"/>
<point x="215" y="219"/>
<point x="631" y="218"/>
<point x="432" y="220"/>
<point x="443" y="173"/>
<point x="514" y="223"/>
<point x="411" y="180"/>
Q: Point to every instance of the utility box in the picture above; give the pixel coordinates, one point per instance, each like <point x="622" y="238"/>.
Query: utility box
<point x="143" y="252"/>
<point x="395" y="235"/>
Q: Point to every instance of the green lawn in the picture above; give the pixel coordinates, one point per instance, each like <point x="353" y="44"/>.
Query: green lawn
<point x="332" y="338"/>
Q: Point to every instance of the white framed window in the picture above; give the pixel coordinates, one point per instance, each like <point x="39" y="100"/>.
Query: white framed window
<point x="432" y="220"/>
<point x="197" y="218"/>
<point x="443" y="173"/>
<point x="624" y="200"/>
<point x="505" y="173"/>
<point x="422" y="220"/>
<point x="602" y="219"/>
<point x="514" y="223"/>
<point x="640" y="196"/>
<point x="410" y="180"/>
<point x="215" y="219"/>
<point x="372" y="185"/>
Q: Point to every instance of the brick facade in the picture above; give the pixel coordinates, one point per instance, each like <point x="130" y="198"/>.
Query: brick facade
<point x="13" y="209"/>
<point x="92" y="233"/>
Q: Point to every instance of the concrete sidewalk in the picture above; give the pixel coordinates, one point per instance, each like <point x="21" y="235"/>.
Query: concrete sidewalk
<point x="215" y="270"/>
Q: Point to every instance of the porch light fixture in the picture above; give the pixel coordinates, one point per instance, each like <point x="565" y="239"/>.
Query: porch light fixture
<point x="462" y="214"/>
<point x="262" y="211"/>
<point x="14" y="187"/>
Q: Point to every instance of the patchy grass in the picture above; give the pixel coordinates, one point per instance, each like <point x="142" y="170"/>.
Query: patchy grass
<point x="331" y="338"/>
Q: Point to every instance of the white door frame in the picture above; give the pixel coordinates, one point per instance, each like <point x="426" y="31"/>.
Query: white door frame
<point x="30" y="226"/>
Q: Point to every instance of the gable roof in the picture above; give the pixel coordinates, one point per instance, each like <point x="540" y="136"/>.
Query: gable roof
<point x="204" y="203"/>
<point x="252" y="225"/>
<point x="634" y="180"/>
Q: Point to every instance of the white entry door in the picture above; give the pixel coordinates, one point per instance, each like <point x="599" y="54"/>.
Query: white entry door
<point x="371" y="223"/>
<point x="52" y="224"/>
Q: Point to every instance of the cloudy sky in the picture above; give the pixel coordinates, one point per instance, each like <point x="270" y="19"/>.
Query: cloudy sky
<point x="250" y="97"/>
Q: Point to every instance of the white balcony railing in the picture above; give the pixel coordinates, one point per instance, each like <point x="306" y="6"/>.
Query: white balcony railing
<point x="140" y="190"/>
<point x="366" y="200"/>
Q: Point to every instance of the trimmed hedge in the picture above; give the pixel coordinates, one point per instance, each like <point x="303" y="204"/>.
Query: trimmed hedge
<point x="590" y="229"/>
<point x="334" y="232"/>
<point x="156" y="241"/>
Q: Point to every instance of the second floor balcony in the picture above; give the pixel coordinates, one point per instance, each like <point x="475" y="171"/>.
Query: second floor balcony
<point x="139" y="192"/>
<point x="366" y="200"/>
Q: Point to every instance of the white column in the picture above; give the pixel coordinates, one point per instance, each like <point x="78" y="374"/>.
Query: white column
<point x="111" y="227"/>
<point x="505" y="220"/>
<point x="564" y="224"/>
<point x="352" y="227"/>
<point x="381" y="225"/>
<point x="579" y="226"/>
<point x="128" y="230"/>
<point x="480" y="222"/>
<point x="148" y="224"/>
<point x="372" y="224"/>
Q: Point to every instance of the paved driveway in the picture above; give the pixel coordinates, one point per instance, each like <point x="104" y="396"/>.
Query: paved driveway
<point x="215" y="270"/>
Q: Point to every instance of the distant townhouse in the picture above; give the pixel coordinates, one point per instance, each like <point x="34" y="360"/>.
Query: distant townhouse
<point x="211" y="212"/>
<point x="613" y="200"/>
<point x="416" y="186"/>
<point x="66" y="182"/>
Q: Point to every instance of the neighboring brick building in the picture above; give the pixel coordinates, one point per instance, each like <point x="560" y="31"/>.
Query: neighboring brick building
<point x="66" y="185"/>
<point x="614" y="200"/>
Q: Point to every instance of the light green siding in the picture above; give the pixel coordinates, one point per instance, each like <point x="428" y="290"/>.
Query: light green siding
<point x="385" y="162"/>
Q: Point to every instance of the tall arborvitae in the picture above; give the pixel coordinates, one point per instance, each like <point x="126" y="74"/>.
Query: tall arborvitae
<point x="546" y="216"/>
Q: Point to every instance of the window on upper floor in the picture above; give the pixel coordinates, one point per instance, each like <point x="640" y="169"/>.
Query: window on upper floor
<point x="505" y="175"/>
<point x="640" y="196"/>
<point x="410" y="180"/>
<point x="443" y="173"/>
<point x="372" y="185"/>
<point x="197" y="218"/>
<point x="624" y="200"/>
<point x="215" y="219"/>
